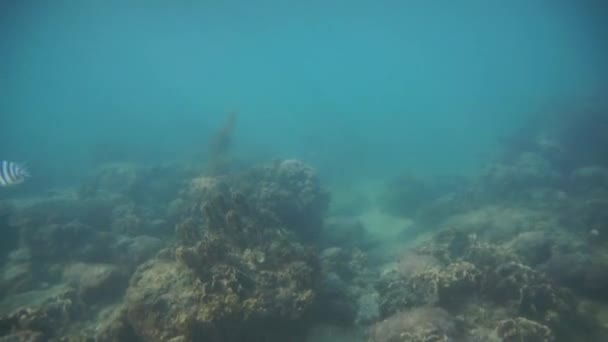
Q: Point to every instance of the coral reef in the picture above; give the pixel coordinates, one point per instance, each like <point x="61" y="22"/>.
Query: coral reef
<point x="408" y="194"/>
<point x="521" y="329"/>
<point x="237" y="263"/>
<point x="466" y="270"/>
<point x="415" y="325"/>
<point x="445" y="286"/>
<point x="291" y="190"/>
<point x="345" y="295"/>
<point x="10" y="237"/>
<point x="346" y="232"/>
<point x="95" y="282"/>
<point x="288" y="190"/>
<point x="244" y="271"/>
<point x="530" y="172"/>
<point x="165" y="253"/>
<point x="41" y="313"/>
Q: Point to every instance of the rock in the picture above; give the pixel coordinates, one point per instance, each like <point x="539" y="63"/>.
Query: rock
<point x="416" y="325"/>
<point x="242" y="275"/>
<point x="47" y="312"/>
<point x="16" y="277"/>
<point x="345" y="232"/>
<point x="333" y="255"/>
<point x="291" y="190"/>
<point x="569" y="269"/>
<point x="42" y="212"/>
<point x="113" y="179"/>
<point x="407" y="194"/>
<point x="20" y="255"/>
<point x="523" y="330"/>
<point x="529" y="171"/>
<point x="590" y="178"/>
<point x="10" y="235"/>
<point x="24" y="336"/>
<point x="58" y="241"/>
<point x="114" y="325"/>
<point x="163" y="300"/>
<point x="134" y="251"/>
<point x="126" y="220"/>
<point x="96" y="282"/>
<point x="499" y="223"/>
<point x="534" y="247"/>
<point x="368" y="307"/>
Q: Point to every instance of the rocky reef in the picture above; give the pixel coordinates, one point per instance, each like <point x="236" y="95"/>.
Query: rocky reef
<point x="102" y="263"/>
<point x="465" y="273"/>
<point x="182" y="253"/>
<point x="518" y="253"/>
<point x="246" y="273"/>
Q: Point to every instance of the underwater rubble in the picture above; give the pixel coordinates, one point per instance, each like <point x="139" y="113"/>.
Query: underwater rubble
<point x="170" y="253"/>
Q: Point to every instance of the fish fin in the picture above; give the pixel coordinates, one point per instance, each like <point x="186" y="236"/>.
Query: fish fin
<point x="25" y="169"/>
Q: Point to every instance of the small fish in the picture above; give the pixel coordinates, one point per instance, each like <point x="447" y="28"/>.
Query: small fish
<point x="12" y="173"/>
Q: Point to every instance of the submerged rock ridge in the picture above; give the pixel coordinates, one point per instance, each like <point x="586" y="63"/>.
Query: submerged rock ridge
<point x="516" y="253"/>
<point x="244" y="275"/>
<point x="98" y="263"/>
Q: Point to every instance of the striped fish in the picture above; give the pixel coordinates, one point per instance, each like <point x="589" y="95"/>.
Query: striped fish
<point x="12" y="173"/>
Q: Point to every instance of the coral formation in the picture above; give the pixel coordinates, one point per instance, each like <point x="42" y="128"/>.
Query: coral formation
<point x="40" y="313"/>
<point x="237" y="262"/>
<point x="420" y="324"/>
<point x="236" y="268"/>
<point x="409" y="194"/>
<point x="289" y="189"/>
<point x="165" y="253"/>
<point x="345" y="295"/>
<point x="521" y="329"/>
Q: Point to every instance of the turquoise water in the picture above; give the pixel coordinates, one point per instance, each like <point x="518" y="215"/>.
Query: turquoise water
<point x="356" y="88"/>
<point x="323" y="170"/>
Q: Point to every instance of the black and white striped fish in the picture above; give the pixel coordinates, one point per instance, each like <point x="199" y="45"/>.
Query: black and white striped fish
<point x="12" y="173"/>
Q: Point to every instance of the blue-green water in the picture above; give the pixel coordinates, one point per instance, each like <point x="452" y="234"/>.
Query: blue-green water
<point x="380" y="171"/>
<point x="355" y="88"/>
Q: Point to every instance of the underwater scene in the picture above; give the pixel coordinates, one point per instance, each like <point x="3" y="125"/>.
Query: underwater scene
<point x="313" y="171"/>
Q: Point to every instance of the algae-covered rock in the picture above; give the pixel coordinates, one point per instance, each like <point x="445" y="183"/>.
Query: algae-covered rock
<point x="96" y="282"/>
<point x="447" y="287"/>
<point x="590" y="178"/>
<point x="345" y="232"/>
<point x="519" y="178"/>
<point x="345" y="294"/>
<point x="67" y="242"/>
<point x="424" y="324"/>
<point x="15" y="278"/>
<point x="10" y="236"/>
<point x="132" y="251"/>
<point x="244" y="273"/>
<point x="61" y="210"/>
<point x="47" y="312"/>
<point x="408" y="194"/>
<point x="523" y="330"/>
<point x="291" y="190"/>
<point x="24" y="336"/>
<point x="113" y="179"/>
<point x="114" y="325"/>
<point x="163" y="301"/>
<point x="472" y="270"/>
